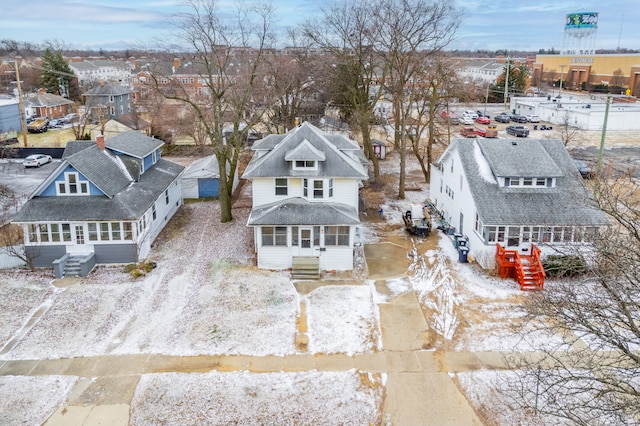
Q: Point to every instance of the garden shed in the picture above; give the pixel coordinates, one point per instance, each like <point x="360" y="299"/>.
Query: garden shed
<point x="201" y="179"/>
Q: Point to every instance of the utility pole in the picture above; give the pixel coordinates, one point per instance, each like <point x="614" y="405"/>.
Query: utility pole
<point x="604" y="133"/>
<point x="20" y="104"/>
<point x="506" y="84"/>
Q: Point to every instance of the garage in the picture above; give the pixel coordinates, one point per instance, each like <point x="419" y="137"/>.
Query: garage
<point x="202" y="179"/>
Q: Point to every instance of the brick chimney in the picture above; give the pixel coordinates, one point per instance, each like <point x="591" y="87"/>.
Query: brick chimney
<point x="100" y="141"/>
<point x="176" y="63"/>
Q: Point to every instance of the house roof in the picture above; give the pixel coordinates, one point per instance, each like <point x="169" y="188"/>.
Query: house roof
<point x="299" y="211"/>
<point x="133" y="143"/>
<point x="568" y="203"/>
<point x="45" y="100"/>
<point x="107" y="88"/>
<point x="341" y="156"/>
<point x="128" y="204"/>
<point x="132" y="121"/>
<point x="206" y="167"/>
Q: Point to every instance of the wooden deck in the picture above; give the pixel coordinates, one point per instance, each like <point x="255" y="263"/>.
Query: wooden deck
<point x="527" y="269"/>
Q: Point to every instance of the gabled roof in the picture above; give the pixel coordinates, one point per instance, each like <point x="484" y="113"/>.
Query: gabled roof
<point x="569" y="203"/>
<point x="103" y="169"/>
<point x="304" y="151"/>
<point x="299" y="211"/>
<point x="107" y="88"/>
<point x="508" y="158"/>
<point x="338" y="162"/>
<point x="128" y="204"/>
<point x="206" y="167"/>
<point x="45" y="100"/>
<point x="133" y="143"/>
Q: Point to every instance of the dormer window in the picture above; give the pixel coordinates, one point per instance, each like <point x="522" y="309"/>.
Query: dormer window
<point x="304" y="164"/>
<point x="528" y="182"/>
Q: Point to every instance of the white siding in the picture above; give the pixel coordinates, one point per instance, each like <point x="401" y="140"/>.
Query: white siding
<point x="263" y="190"/>
<point x="337" y="258"/>
<point x="346" y="191"/>
<point x="274" y="257"/>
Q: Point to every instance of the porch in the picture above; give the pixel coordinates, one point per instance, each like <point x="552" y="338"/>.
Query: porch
<point x="522" y="264"/>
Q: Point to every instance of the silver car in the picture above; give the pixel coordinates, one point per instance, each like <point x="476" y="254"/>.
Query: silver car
<point x="36" y="160"/>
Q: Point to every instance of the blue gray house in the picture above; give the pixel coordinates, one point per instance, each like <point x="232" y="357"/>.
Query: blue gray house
<point x="108" y="101"/>
<point x="105" y="203"/>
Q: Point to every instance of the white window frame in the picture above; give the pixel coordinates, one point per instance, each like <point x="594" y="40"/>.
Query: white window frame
<point x="81" y="185"/>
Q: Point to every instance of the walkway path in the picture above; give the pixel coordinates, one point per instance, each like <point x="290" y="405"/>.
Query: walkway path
<point x="419" y="390"/>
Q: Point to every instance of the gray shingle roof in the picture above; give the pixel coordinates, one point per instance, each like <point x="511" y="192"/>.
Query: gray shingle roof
<point x="510" y="158"/>
<point x="298" y="211"/>
<point x="134" y="144"/>
<point x="337" y="163"/>
<point x="101" y="168"/>
<point x="568" y="203"/>
<point x="106" y="89"/>
<point x="128" y="204"/>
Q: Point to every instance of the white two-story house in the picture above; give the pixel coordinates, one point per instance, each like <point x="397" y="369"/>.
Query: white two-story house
<point x="513" y="192"/>
<point x="105" y="202"/>
<point x="305" y="198"/>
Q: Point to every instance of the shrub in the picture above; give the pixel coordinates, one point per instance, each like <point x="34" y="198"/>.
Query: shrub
<point x="562" y="266"/>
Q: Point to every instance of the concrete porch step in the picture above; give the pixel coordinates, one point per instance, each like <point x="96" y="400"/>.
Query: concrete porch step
<point x="305" y="267"/>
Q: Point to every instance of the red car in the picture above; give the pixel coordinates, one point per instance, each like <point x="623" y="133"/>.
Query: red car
<point x="483" y="120"/>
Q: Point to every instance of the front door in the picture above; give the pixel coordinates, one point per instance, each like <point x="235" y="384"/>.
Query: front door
<point x="306" y="241"/>
<point x="79" y="230"/>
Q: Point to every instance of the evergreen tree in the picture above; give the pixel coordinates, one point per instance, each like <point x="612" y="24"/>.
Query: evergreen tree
<point x="57" y="76"/>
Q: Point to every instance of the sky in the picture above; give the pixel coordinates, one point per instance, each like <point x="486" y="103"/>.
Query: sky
<point x="490" y="25"/>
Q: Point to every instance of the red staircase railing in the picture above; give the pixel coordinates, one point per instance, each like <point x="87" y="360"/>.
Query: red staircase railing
<point x="527" y="270"/>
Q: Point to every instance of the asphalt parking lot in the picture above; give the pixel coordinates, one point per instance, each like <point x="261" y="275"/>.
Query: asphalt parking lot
<point x="621" y="160"/>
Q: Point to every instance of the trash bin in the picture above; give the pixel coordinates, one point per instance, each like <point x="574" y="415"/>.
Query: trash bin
<point x="456" y="239"/>
<point x="463" y="254"/>
<point x="535" y="127"/>
<point x="463" y="242"/>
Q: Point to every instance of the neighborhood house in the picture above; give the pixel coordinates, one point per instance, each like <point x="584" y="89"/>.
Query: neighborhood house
<point x="512" y="194"/>
<point x="305" y="199"/>
<point x="105" y="203"/>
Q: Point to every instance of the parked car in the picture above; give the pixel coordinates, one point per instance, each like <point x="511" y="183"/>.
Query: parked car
<point x="468" y="132"/>
<point x="53" y="124"/>
<point x="483" y="120"/>
<point x="36" y="160"/>
<point x="38" y="125"/>
<point x="533" y="118"/>
<point x="471" y="114"/>
<point x="519" y="118"/>
<point x="502" y="118"/>
<point x="70" y="118"/>
<point x="518" y="131"/>
<point x="583" y="168"/>
<point x="466" y="119"/>
<point x="453" y="118"/>
<point x="482" y="114"/>
<point x="490" y="132"/>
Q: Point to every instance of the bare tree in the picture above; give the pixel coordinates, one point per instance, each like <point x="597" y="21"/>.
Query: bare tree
<point x="226" y="57"/>
<point x="567" y="130"/>
<point x="428" y="93"/>
<point x="408" y="32"/>
<point x="352" y="79"/>
<point x="591" y="376"/>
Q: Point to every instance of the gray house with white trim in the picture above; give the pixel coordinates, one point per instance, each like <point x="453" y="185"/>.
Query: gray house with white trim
<point x="105" y="203"/>
<point x="305" y="198"/>
<point x="514" y="192"/>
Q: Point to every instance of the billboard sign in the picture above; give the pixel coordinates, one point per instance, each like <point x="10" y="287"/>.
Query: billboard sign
<point x="582" y="20"/>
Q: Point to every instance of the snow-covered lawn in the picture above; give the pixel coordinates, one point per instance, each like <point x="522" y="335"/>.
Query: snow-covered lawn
<point x="327" y="398"/>
<point x="30" y="400"/>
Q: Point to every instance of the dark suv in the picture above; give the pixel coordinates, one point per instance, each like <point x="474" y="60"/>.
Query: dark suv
<point x="502" y="118"/>
<point x="518" y="131"/>
<point x="519" y="118"/>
